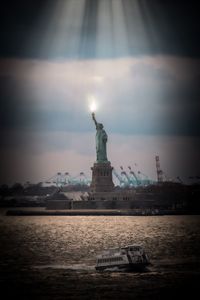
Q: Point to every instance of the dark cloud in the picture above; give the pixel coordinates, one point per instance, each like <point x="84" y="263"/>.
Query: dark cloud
<point x="184" y="115"/>
<point x="170" y="27"/>
<point x="17" y="109"/>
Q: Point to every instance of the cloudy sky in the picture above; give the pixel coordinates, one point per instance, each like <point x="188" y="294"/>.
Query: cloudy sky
<point x="140" y="61"/>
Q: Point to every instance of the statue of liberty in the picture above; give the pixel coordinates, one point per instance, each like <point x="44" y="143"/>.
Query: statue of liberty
<point x="101" y="140"/>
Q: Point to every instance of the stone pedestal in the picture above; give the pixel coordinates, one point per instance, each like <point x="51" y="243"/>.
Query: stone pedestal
<point x="101" y="178"/>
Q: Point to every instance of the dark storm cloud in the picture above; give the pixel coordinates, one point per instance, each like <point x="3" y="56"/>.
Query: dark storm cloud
<point x="171" y="27"/>
<point x="180" y="100"/>
<point x="185" y="108"/>
<point x="18" y="20"/>
<point x="16" y="111"/>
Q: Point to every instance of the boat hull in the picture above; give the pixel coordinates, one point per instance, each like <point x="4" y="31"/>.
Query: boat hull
<point x="127" y="267"/>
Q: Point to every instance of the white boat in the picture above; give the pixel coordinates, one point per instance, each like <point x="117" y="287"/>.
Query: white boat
<point x="131" y="257"/>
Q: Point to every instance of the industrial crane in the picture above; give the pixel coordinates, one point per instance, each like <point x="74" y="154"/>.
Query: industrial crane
<point x="122" y="182"/>
<point x="127" y="180"/>
<point x="146" y="180"/>
<point x="158" y="169"/>
<point x="81" y="179"/>
<point x="59" y="179"/>
<point x="134" y="178"/>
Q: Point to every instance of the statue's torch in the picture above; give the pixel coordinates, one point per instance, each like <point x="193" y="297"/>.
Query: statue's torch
<point x="92" y="109"/>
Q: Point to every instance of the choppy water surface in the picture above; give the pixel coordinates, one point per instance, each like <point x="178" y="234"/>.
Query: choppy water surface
<point x="69" y="245"/>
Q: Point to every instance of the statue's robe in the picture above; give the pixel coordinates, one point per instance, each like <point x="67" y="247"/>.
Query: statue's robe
<point x="101" y="140"/>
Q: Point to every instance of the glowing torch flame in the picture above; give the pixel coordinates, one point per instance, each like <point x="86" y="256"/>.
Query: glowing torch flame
<point x="93" y="107"/>
<point x="92" y="104"/>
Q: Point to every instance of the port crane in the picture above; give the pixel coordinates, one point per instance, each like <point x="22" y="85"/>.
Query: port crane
<point x="59" y="179"/>
<point x="127" y="178"/>
<point x="135" y="180"/>
<point x="80" y="179"/>
<point x="63" y="179"/>
<point x="146" y="180"/>
<point x="158" y="169"/>
<point x="122" y="182"/>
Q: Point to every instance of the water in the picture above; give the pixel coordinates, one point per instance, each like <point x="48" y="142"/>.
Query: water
<point x="56" y="253"/>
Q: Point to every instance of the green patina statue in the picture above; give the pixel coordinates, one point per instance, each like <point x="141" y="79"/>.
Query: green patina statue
<point x="101" y="140"/>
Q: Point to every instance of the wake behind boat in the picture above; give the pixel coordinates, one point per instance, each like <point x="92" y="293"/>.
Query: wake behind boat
<point x="131" y="257"/>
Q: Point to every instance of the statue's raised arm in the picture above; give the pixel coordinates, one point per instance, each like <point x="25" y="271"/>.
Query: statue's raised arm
<point x="94" y="119"/>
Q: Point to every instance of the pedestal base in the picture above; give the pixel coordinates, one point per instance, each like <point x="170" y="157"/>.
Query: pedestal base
<point x="101" y="178"/>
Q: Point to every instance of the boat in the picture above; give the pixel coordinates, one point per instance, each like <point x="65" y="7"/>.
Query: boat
<point x="132" y="257"/>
